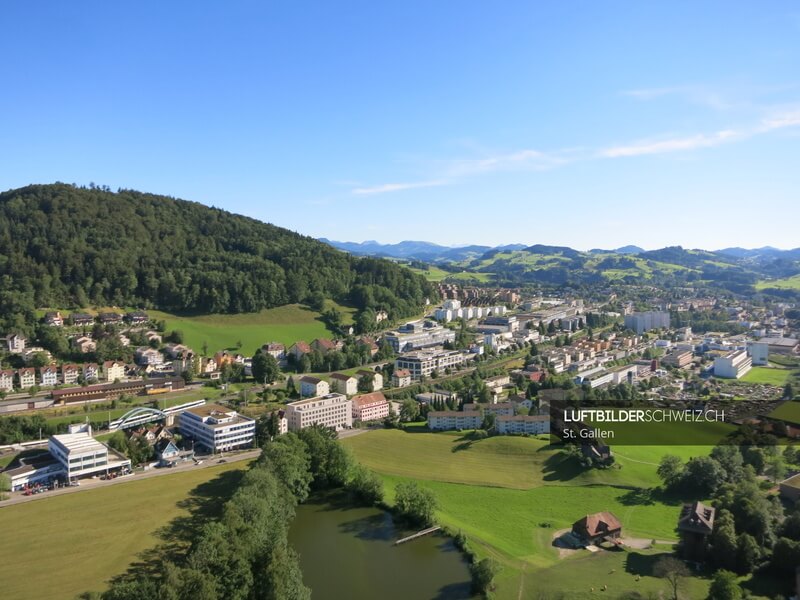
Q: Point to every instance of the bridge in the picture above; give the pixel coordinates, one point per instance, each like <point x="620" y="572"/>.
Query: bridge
<point x="144" y="414"/>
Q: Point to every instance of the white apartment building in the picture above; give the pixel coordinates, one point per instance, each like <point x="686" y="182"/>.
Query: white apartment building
<point x="313" y="386"/>
<point x="498" y="409"/>
<point x="114" y="370"/>
<point x="424" y="362"/>
<point x="218" y="428"/>
<point x="520" y="424"/>
<point x="7" y="380"/>
<point x="733" y="365"/>
<point x="15" y="343"/>
<point x="442" y="420"/>
<point x="342" y="383"/>
<point x="332" y="410"/>
<point x="645" y="321"/>
<point x="80" y="454"/>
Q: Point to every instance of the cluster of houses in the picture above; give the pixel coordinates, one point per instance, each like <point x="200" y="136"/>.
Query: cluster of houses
<point x="65" y="374"/>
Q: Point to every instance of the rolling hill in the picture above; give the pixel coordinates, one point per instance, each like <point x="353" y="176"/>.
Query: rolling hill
<point x="68" y="246"/>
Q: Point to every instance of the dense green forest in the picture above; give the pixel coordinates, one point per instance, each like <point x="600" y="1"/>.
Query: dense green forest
<point x="68" y="246"/>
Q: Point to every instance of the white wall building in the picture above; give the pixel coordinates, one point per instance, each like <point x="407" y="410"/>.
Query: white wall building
<point x="645" y="321"/>
<point x="441" y="420"/>
<point x="733" y="365"/>
<point x="217" y="428"/>
<point x="332" y="410"/>
<point x="80" y="454"/>
<point x="313" y="386"/>
<point x="759" y="352"/>
<point x="520" y="424"/>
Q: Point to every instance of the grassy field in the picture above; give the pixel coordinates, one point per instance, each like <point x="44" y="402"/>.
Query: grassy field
<point x="790" y="411"/>
<point x="435" y="274"/>
<point x="768" y="375"/>
<point x="511" y="494"/>
<point x="62" y="546"/>
<point x="285" y="324"/>
<point x="788" y="283"/>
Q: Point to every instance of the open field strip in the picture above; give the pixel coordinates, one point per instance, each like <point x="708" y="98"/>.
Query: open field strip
<point x="61" y="546"/>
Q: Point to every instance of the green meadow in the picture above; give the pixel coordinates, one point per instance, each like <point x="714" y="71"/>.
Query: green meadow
<point x="510" y="495"/>
<point x="285" y="324"/>
<point x="787" y="283"/>
<point x="768" y="375"/>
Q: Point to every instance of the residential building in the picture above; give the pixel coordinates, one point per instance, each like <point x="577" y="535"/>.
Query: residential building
<point x="110" y="318"/>
<point x="329" y="410"/>
<point x="624" y="374"/>
<point x="401" y="378"/>
<point x="15" y="343"/>
<point x="323" y="345"/>
<point x="522" y="424"/>
<point x="442" y="420"/>
<point x="423" y="362"/>
<point x="70" y="373"/>
<point x="733" y="365"/>
<point x="113" y="370"/>
<point x="54" y="319"/>
<point x="81" y="455"/>
<point x="137" y="317"/>
<point x="370" y="407"/>
<point x="498" y="409"/>
<point x="153" y="336"/>
<point x="84" y="344"/>
<point x="81" y="319"/>
<point x="26" y="377"/>
<point x="376" y="379"/>
<point x="344" y="384"/>
<point x="645" y="321"/>
<point x="313" y="386"/>
<point x="695" y="525"/>
<point x="368" y="342"/>
<point x="148" y="356"/>
<point x="7" y="380"/>
<point x="276" y="350"/>
<point x="91" y="372"/>
<point x="419" y="334"/>
<point x="48" y="375"/>
<point x="217" y="428"/>
<point x="176" y="350"/>
<point x="299" y="349"/>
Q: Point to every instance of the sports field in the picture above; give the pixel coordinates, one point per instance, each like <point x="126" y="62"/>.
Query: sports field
<point x="511" y="494"/>
<point x="285" y="324"/>
<point x="59" y="547"/>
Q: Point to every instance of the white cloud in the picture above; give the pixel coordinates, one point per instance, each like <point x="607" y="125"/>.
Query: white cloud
<point x="386" y="188"/>
<point x="781" y="121"/>
<point x="519" y="160"/>
<point x="671" y="145"/>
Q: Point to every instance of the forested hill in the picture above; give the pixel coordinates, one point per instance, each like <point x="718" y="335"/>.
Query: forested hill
<point x="65" y="246"/>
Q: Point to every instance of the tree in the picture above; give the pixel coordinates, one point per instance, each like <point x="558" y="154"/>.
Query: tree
<point x="670" y="470"/>
<point x="748" y="554"/>
<point x="365" y="486"/>
<point x="415" y="504"/>
<point x="409" y="410"/>
<point x="673" y="570"/>
<point x="488" y="421"/>
<point x="265" y="367"/>
<point x="724" y="587"/>
<point x="703" y="474"/>
<point x="723" y="541"/>
<point x="775" y="468"/>
<point x="483" y="574"/>
<point x="788" y="390"/>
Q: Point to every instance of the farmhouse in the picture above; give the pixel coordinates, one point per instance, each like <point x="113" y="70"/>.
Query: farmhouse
<point x="695" y="525"/>
<point x="323" y="345"/>
<point x="597" y="527"/>
<point x="299" y="349"/>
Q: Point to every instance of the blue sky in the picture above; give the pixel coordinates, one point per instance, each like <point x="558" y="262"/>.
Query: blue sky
<point x="588" y="124"/>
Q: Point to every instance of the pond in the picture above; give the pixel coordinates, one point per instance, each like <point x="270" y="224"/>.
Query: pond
<point x="349" y="553"/>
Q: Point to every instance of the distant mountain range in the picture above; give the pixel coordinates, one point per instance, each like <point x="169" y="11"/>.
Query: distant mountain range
<point x="736" y="269"/>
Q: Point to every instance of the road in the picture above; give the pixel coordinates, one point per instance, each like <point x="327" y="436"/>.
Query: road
<point x="91" y="484"/>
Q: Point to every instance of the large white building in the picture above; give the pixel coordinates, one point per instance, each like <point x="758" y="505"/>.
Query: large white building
<point x="733" y="365"/>
<point x="332" y="410"/>
<point x="419" y="334"/>
<point x="217" y="428"/>
<point x="759" y="352"/>
<point x="424" y="362"/>
<point x="645" y="321"/>
<point x="79" y="454"/>
<point x="519" y="424"/>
